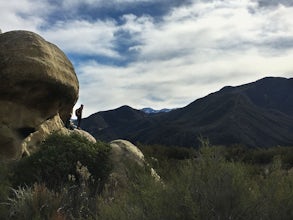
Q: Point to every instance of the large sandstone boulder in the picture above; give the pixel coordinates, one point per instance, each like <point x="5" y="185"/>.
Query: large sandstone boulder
<point x="38" y="84"/>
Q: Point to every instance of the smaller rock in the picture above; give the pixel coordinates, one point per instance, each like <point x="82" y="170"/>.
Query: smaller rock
<point x="123" y="151"/>
<point x="80" y="132"/>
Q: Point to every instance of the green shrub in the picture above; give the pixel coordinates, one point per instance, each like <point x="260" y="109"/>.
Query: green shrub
<point x="55" y="163"/>
<point x="205" y="188"/>
<point x="36" y="202"/>
<point x="73" y="201"/>
<point x="276" y="195"/>
<point x="4" y="180"/>
<point x="143" y="198"/>
<point x="4" y="187"/>
<point x="212" y="183"/>
<point x="164" y="152"/>
<point x="265" y="156"/>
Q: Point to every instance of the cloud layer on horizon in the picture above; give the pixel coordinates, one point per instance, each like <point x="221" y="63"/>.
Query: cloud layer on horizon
<point x="165" y="57"/>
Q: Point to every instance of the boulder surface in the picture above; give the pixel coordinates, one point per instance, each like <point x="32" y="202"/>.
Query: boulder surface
<point x="38" y="83"/>
<point x="123" y="152"/>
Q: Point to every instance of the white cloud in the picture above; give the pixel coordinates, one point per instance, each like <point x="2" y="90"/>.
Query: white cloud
<point x="215" y="26"/>
<point x="84" y="38"/>
<point x="194" y="51"/>
<point x="23" y="15"/>
<point x="189" y="52"/>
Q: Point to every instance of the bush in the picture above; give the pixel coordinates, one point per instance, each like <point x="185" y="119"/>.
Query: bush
<point x="164" y="152"/>
<point x="4" y="180"/>
<point x="4" y="187"/>
<point x="264" y="156"/>
<point x="143" y="198"/>
<point x="216" y="183"/>
<point x="36" y="202"/>
<point x="208" y="187"/>
<point x="59" y="160"/>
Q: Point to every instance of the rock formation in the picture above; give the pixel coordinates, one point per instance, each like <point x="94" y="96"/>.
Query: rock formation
<point x="38" y="88"/>
<point x="122" y="153"/>
<point x="82" y="133"/>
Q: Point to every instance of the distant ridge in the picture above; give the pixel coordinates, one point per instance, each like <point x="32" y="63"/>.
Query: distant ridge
<point x="153" y="111"/>
<point x="257" y="114"/>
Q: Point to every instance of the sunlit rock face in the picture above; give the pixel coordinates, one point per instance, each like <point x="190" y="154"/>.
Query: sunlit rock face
<point x="82" y="133"/>
<point x="123" y="152"/>
<point x="38" y="87"/>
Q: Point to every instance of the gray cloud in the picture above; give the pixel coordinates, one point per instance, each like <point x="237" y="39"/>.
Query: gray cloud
<point x="193" y="49"/>
<point x="265" y="3"/>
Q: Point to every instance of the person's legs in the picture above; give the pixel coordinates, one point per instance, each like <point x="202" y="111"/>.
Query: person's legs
<point x="78" y="122"/>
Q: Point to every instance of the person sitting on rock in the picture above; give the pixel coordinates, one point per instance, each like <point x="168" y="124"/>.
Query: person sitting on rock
<point x="78" y="113"/>
<point x="68" y="121"/>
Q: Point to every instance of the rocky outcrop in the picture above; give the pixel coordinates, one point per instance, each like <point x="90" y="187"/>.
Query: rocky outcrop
<point x="125" y="150"/>
<point x="37" y="92"/>
<point x="123" y="153"/>
<point x="30" y="143"/>
<point x="80" y="132"/>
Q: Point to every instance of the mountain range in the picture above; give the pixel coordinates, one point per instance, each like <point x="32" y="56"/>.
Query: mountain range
<point x="154" y="111"/>
<point x="257" y="114"/>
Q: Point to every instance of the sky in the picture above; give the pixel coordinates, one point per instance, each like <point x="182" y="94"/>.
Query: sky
<point x="160" y="53"/>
